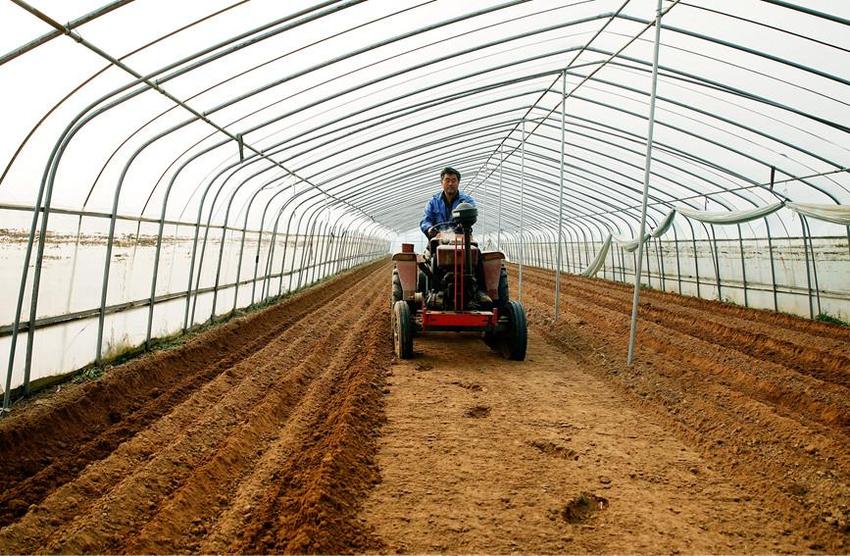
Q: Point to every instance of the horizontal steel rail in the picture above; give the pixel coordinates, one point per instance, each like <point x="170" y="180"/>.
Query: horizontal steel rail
<point x="46" y="322"/>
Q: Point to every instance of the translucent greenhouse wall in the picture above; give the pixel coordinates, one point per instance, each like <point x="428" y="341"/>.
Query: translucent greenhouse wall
<point x="329" y="123"/>
<point x="802" y="276"/>
<point x="248" y="268"/>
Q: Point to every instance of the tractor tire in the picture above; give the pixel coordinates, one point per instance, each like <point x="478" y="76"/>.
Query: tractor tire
<point x="503" y="289"/>
<point x="514" y="339"/>
<point x="397" y="292"/>
<point x="402" y="330"/>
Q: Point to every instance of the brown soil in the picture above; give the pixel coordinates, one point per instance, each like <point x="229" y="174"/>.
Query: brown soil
<point x="293" y="430"/>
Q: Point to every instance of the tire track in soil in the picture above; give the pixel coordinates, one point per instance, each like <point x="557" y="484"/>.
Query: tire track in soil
<point x="88" y="422"/>
<point x="798" y="465"/>
<point x="163" y="475"/>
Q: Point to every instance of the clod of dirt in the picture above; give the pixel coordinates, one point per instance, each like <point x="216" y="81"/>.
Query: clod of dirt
<point x="18" y="507"/>
<point x="553" y="449"/>
<point x="468" y="385"/>
<point x="423" y="367"/>
<point x="582" y="507"/>
<point x="477" y="411"/>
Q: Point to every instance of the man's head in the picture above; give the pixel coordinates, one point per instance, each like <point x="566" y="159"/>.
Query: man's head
<point x="450" y="178"/>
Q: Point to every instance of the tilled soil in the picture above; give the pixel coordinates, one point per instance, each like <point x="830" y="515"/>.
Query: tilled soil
<point x="256" y="437"/>
<point x="294" y="430"/>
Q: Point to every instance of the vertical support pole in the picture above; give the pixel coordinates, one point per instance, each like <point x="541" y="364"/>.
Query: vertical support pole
<point x="499" y="218"/>
<point x="743" y="265"/>
<point x="521" y="212"/>
<point x="715" y="257"/>
<point x="561" y="194"/>
<point x="218" y="263"/>
<point x="814" y="264"/>
<point x="808" y="271"/>
<point x="622" y="262"/>
<point x="696" y="260"/>
<point x="772" y="265"/>
<point x="642" y="231"/>
<point x="678" y="261"/>
<point x="660" y="250"/>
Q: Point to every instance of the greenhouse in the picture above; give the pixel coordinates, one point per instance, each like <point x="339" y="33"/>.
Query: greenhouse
<point x="174" y="169"/>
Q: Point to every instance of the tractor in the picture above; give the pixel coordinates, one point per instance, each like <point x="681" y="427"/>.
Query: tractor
<point x="455" y="287"/>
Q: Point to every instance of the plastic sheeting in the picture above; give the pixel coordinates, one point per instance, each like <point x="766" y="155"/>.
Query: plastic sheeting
<point x="599" y="260"/>
<point x="837" y="214"/>
<point x="198" y="124"/>
<point x="730" y="216"/>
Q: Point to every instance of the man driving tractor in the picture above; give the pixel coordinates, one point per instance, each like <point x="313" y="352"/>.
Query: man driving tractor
<point x="455" y="286"/>
<point x="441" y="205"/>
<point x="438" y="213"/>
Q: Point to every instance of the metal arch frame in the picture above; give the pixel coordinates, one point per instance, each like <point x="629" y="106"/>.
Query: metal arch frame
<point x="579" y="200"/>
<point x="45" y="218"/>
<point x="535" y="195"/>
<point x="150" y="141"/>
<point x="46" y="187"/>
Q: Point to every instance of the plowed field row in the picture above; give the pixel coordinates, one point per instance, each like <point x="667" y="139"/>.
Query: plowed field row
<point x="294" y="430"/>
<point x="248" y="439"/>
<point x="764" y="395"/>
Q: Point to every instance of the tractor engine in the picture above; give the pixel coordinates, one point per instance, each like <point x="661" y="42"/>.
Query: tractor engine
<point x="449" y="262"/>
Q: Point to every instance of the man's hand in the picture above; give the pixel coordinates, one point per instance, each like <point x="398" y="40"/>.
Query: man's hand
<point x="432" y="231"/>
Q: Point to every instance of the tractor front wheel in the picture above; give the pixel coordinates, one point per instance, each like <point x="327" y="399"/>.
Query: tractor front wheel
<point x="402" y="330"/>
<point x="397" y="292"/>
<point x="513" y="340"/>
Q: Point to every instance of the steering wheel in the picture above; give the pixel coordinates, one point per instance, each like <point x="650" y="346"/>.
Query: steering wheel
<point x="440" y="226"/>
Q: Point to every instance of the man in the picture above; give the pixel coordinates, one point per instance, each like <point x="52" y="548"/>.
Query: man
<point x="439" y="210"/>
<point x="440" y="206"/>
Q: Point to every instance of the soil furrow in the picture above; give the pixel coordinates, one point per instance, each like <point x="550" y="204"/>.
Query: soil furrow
<point x="133" y="455"/>
<point x="311" y="504"/>
<point x="779" y="323"/>
<point x="799" y="466"/>
<point x="811" y="402"/>
<point x="269" y="382"/>
<point x="191" y="511"/>
<point x="265" y="435"/>
<point x="801" y="354"/>
<point x="110" y="412"/>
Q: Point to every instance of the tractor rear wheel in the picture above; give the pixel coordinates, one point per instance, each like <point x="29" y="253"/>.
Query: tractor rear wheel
<point x="514" y="339"/>
<point x="402" y="330"/>
<point x="503" y="288"/>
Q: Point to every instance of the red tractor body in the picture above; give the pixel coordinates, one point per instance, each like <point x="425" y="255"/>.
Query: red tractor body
<point x="456" y="288"/>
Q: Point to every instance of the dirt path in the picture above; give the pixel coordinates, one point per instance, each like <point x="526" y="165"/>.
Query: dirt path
<point x="293" y="430"/>
<point x="485" y="455"/>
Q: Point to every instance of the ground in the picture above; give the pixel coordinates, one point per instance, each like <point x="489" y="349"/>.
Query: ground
<point x="295" y="430"/>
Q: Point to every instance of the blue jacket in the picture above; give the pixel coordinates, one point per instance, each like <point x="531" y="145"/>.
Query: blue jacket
<point x="437" y="211"/>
